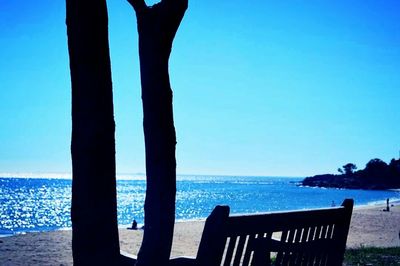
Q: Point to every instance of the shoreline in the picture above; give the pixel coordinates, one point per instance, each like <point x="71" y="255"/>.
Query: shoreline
<point x="371" y="205"/>
<point x="370" y="226"/>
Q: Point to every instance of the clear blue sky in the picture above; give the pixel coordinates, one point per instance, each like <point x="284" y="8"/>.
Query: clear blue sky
<point x="288" y="88"/>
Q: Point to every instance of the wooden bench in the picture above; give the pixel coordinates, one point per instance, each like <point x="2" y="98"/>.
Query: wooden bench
<point x="306" y="237"/>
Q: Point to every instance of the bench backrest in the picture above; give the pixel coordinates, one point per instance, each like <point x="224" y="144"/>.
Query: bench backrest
<point x="307" y="237"/>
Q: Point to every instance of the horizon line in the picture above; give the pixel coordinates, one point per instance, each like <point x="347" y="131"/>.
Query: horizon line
<point x="122" y="176"/>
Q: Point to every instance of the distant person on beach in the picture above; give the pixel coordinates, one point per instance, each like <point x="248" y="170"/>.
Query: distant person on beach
<point x="134" y="225"/>
<point x="387" y="205"/>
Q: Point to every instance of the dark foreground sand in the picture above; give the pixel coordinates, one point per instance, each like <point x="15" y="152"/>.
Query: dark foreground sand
<point x="370" y="226"/>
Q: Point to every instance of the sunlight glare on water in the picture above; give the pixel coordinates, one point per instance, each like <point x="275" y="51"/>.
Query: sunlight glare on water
<point x="31" y="204"/>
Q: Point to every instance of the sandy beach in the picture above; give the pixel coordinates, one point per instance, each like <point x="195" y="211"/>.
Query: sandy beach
<point x="370" y="226"/>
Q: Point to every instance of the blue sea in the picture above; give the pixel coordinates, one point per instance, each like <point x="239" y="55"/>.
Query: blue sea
<point x="43" y="204"/>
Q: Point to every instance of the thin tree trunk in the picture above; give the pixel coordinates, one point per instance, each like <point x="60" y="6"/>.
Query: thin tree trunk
<point x="94" y="207"/>
<point x="157" y="26"/>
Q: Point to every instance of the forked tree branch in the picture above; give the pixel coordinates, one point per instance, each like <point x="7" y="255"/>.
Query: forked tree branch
<point x="137" y="4"/>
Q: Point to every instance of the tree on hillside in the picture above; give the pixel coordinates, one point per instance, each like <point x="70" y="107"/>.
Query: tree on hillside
<point x="94" y="207"/>
<point x="376" y="168"/>
<point x="375" y="164"/>
<point x="157" y="26"/>
<point x="395" y="166"/>
<point x="349" y="168"/>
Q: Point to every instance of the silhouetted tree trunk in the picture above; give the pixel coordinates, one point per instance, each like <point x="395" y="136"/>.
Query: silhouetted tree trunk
<point x="94" y="207"/>
<point x="157" y="26"/>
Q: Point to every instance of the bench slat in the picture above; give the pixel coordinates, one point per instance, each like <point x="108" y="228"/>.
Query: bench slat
<point x="249" y="249"/>
<point x="229" y="251"/>
<point x="239" y="250"/>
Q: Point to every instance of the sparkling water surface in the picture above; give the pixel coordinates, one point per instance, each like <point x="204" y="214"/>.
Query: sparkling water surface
<point x="40" y="204"/>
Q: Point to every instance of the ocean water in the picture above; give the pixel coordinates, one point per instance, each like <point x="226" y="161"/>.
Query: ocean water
<point x="43" y="204"/>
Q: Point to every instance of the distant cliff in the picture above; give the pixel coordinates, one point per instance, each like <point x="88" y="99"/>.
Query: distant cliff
<point x="376" y="175"/>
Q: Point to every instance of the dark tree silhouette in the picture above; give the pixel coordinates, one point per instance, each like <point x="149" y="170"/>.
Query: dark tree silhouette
<point x="94" y="207"/>
<point x="157" y="26"/>
<point x="376" y="175"/>
<point x="375" y="165"/>
<point x="349" y="168"/>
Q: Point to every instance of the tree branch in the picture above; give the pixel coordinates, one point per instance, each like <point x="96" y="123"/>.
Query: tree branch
<point x="138" y="4"/>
